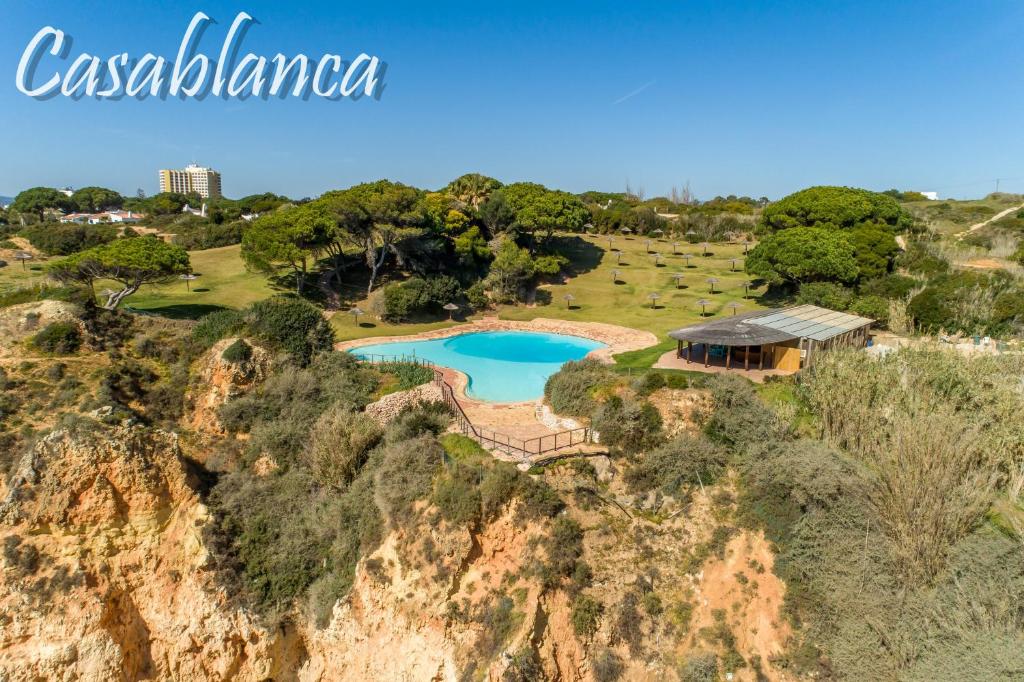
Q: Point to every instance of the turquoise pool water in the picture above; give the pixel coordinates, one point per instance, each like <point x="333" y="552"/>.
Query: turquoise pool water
<point x="502" y="366"/>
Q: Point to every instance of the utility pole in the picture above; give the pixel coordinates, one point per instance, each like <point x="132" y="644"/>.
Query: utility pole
<point x="997" y="185"/>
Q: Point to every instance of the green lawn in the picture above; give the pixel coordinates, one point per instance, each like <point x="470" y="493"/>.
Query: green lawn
<point x="596" y="298"/>
<point x="346" y="329"/>
<point x="223" y="283"/>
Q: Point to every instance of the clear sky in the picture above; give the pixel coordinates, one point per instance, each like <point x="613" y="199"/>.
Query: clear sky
<point x="736" y="98"/>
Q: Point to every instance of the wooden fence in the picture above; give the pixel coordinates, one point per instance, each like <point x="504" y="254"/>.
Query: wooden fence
<point x="488" y="438"/>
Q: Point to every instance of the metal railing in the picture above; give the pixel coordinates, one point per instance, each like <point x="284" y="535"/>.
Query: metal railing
<point x="487" y="438"/>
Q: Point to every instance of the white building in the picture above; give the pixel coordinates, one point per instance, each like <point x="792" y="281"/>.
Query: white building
<point x="203" y="181"/>
<point x="930" y="196"/>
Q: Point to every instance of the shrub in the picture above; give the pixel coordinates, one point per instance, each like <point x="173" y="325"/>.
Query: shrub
<point x="825" y="294"/>
<point x="608" y="667"/>
<point x="477" y="296"/>
<point x="629" y="424"/>
<point x="214" y="326"/>
<point x="889" y="287"/>
<point x="456" y="495"/>
<point x="60" y="338"/>
<point x="417" y="296"/>
<point x="682" y="462"/>
<point x="63" y="240"/>
<point x="339" y="445"/>
<point x="699" y="667"/>
<point x="872" y="307"/>
<point x="563" y="547"/>
<point x="409" y="374"/>
<point x="406" y="475"/>
<point x="238" y="352"/>
<point x="570" y="390"/>
<point x="432" y="418"/>
<point x="292" y="325"/>
<point x="586" y="614"/>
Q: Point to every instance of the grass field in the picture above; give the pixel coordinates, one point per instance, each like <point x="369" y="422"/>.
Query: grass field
<point x="625" y="301"/>
<point x="223" y="283"/>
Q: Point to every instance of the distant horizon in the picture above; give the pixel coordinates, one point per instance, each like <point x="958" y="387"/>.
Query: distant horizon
<point x="734" y="97"/>
<point x="647" y="194"/>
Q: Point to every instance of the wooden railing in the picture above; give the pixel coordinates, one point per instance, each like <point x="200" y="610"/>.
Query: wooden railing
<point x="488" y="438"/>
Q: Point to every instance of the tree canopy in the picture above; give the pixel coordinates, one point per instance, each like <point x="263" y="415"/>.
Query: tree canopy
<point x="95" y="199"/>
<point x="841" y="207"/>
<point x="804" y="254"/>
<point x="130" y="262"/>
<point x="539" y="209"/>
<point x="472" y="189"/>
<point x="38" y="199"/>
<point x="291" y="237"/>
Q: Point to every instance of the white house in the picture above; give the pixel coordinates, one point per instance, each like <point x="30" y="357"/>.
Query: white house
<point x="931" y="196"/>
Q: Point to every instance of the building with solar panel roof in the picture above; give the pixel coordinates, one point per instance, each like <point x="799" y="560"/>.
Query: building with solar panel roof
<point x="787" y="339"/>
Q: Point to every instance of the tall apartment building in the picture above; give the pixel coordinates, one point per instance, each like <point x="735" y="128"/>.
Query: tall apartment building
<point x="203" y="181"/>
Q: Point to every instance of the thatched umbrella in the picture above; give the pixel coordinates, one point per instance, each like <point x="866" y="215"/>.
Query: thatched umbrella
<point x="647" y="243"/>
<point x="657" y="258"/>
<point x="615" y="276"/>
<point x="703" y="303"/>
<point x="569" y="298"/>
<point x="712" y="281"/>
<point x="687" y="257"/>
<point x="188" y="277"/>
<point x="618" y="256"/>
<point x="626" y="230"/>
<point x="658" y="231"/>
<point x="23" y="256"/>
<point x="746" y="289"/>
<point x="732" y="263"/>
<point x="355" y="313"/>
<point x="746" y="246"/>
<point x="690" y="234"/>
<point x="734" y="305"/>
<point x="678" y="277"/>
<point x="654" y="296"/>
<point x="611" y="238"/>
<point x="704" y="245"/>
<point x="675" y="245"/>
<point x="451" y="308"/>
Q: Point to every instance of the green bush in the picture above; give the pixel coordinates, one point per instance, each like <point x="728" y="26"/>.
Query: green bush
<point x="889" y="287"/>
<point x="825" y="294"/>
<point x="456" y="495"/>
<point x="214" y="326"/>
<point x="60" y="338"/>
<point x="238" y="352"/>
<point x="871" y="307"/>
<point x="409" y="374"/>
<point x="570" y="390"/>
<point x="405" y="475"/>
<point x="339" y="445"/>
<point x="630" y="424"/>
<point x="417" y="296"/>
<point x="63" y="240"/>
<point x="586" y="615"/>
<point x="292" y="325"/>
<point x="683" y="462"/>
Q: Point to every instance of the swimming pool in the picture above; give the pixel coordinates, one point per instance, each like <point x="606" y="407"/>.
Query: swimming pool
<point x="501" y="366"/>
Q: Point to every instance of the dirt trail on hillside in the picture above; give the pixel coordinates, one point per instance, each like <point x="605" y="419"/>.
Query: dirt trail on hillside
<point x="978" y="226"/>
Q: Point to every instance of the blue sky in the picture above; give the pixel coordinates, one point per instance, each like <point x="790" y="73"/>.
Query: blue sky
<point x="736" y="98"/>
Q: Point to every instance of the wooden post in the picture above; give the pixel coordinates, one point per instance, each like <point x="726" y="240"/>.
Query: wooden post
<point x="746" y="358"/>
<point x="760" y="358"/>
<point x="689" y="351"/>
<point x="728" y="357"/>
<point x="705" y="353"/>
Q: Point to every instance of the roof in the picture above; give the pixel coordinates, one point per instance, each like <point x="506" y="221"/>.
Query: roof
<point x="760" y="327"/>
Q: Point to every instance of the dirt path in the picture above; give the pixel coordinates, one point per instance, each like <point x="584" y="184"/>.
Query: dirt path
<point x="978" y="226"/>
